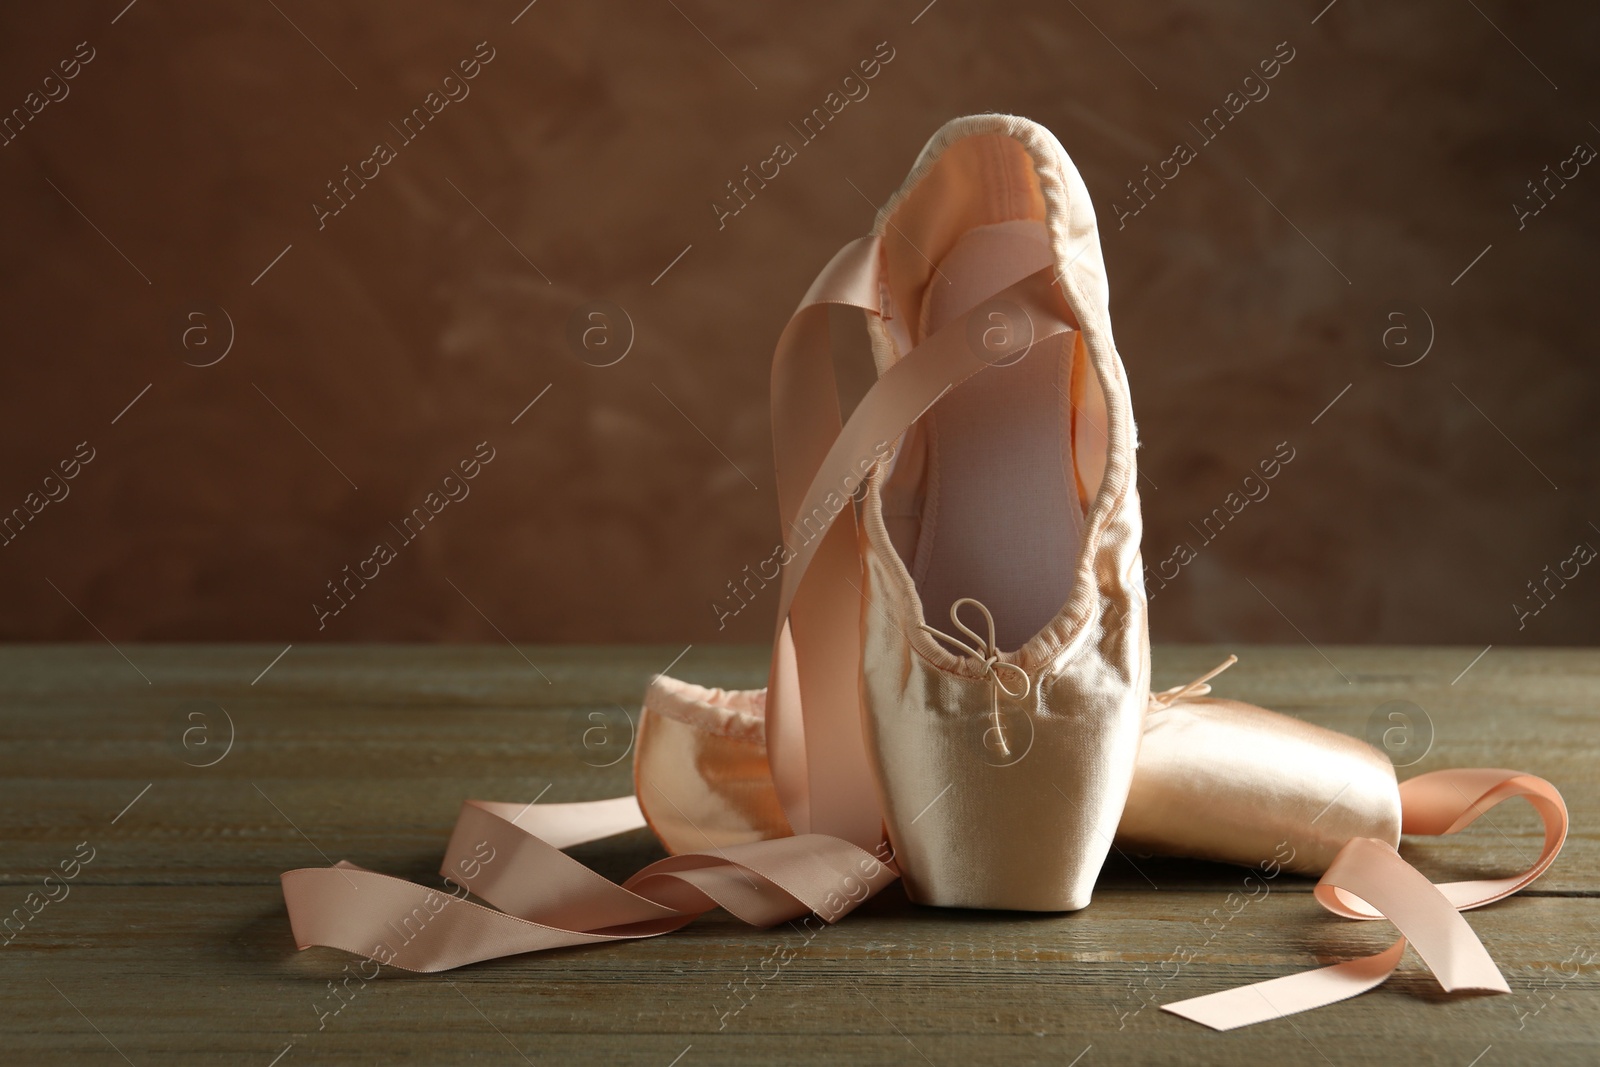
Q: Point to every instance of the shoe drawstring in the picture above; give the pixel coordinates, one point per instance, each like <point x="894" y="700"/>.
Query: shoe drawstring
<point x="987" y="652"/>
<point x="1197" y="688"/>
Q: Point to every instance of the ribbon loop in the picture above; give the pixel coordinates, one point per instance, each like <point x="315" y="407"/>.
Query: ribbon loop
<point x="987" y="652"/>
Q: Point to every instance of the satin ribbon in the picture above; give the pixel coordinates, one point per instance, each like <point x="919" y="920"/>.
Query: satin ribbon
<point x="1369" y="880"/>
<point x="510" y="855"/>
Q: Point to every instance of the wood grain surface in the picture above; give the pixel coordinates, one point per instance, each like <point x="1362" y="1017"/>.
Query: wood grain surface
<point x="171" y="944"/>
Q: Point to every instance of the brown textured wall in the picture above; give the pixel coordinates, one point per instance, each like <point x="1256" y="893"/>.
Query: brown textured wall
<point x="392" y="338"/>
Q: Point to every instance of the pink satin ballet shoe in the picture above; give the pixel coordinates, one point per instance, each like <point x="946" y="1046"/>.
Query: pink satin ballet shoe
<point x="1010" y="509"/>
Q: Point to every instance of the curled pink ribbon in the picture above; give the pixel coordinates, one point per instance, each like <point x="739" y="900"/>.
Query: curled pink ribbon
<point x="510" y="855"/>
<point x="1369" y="880"/>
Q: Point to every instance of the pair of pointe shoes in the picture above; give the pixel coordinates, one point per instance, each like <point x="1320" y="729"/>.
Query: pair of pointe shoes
<point x="993" y="767"/>
<point x="988" y="478"/>
<point x="1005" y="757"/>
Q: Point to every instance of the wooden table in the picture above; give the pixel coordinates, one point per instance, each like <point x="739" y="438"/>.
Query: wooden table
<point x="171" y="946"/>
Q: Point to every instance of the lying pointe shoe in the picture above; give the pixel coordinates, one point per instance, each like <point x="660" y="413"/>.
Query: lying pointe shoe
<point x="1227" y="781"/>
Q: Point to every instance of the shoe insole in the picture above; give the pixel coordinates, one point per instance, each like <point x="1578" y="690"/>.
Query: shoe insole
<point x="1001" y="520"/>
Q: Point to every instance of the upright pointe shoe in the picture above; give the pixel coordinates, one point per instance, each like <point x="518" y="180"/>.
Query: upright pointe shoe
<point x="1004" y="749"/>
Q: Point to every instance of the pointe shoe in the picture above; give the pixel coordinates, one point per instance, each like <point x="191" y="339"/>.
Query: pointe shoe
<point x="1003" y="751"/>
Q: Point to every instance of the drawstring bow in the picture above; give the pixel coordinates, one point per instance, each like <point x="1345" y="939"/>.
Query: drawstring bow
<point x="987" y="652"/>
